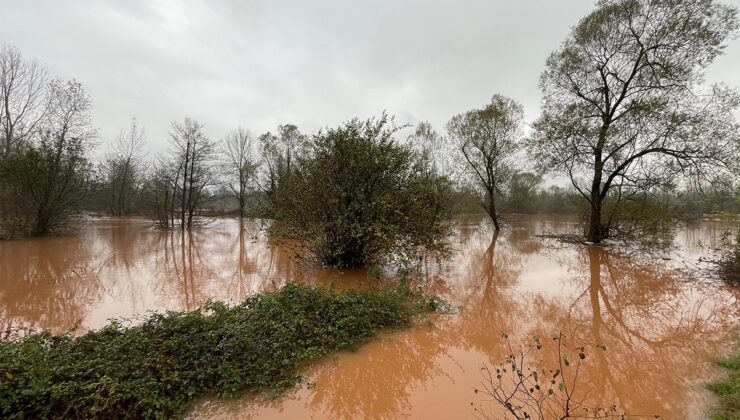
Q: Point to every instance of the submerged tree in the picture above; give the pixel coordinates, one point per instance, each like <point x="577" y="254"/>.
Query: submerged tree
<point x="193" y="154"/>
<point x="179" y="183"/>
<point x="123" y="170"/>
<point x="239" y="165"/>
<point x="358" y="196"/>
<point x="623" y="111"/>
<point x="51" y="177"/>
<point x="487" y="139"/>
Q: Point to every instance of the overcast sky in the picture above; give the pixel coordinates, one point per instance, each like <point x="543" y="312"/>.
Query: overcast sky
<point x="310" y="63"/>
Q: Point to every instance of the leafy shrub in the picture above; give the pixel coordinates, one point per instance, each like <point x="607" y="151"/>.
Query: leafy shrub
<point x="358" y="196"/>
<point x="157" y="369"/>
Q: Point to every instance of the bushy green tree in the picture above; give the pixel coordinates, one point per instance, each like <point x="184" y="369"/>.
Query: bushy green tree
<point x="358" y="196"/>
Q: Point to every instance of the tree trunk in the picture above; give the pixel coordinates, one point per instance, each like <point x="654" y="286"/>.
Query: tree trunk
<point x="597" y="230"/>
<point x="184" y="186"/>
<point x="491" y="209"/>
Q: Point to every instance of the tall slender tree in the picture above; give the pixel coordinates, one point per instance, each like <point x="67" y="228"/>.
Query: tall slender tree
<point x="240" y="162"/>
<point x="487" y="139"/>
<point x="124" y="170"/>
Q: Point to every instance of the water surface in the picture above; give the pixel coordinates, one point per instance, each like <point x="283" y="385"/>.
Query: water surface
<point x="662" y="329"/>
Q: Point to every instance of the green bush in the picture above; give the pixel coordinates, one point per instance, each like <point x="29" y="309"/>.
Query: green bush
<point x="158" y="368"/>
<point x="358" y="196"/>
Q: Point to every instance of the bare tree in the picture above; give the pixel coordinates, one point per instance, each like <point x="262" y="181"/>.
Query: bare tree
<point x="193" y="160"/>
<point x="240" y="164"/>
<point x="623" y="110"/>
<point x="160" y="190"/>
<point x="24" y="98"/>
<point x="124" y="170"/>
<point x="487" y="139"/>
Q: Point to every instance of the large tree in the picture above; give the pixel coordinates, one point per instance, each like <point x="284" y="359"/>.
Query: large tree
<point x="624" y="109"/>
<point x="488" y="138"/>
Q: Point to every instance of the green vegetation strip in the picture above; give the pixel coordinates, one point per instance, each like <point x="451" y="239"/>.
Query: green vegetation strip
<point x="158" y="368"/>
<point x="728" y="390"/>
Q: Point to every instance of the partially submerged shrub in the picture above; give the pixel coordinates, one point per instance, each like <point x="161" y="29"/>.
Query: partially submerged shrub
<point x="359" y="196"/>
<point x="729" y="262"/>
<point x="158" y="368"/>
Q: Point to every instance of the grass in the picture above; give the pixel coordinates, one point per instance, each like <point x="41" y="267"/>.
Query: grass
<point x="728" y="390"/>
<point x="158" y="368"/>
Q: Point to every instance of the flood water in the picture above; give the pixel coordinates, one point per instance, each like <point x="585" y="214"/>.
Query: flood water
<point x="662" y="328"/>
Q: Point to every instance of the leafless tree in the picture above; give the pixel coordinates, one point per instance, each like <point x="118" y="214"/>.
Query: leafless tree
<point x="488" y="139"/>
<point x="124" y="170"/>
<point x="24" y="98"/>
<point x="623" y="107"/>
<point x="192" y="165"/>
<point x="160" y="190"/>
<point x="239" y="165"/>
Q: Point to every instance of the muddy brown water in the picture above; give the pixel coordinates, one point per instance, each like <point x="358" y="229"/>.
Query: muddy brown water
<point x="662" y="329"/>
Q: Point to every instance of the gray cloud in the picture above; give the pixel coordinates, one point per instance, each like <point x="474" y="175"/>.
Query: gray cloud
<point x="313" y="64"/>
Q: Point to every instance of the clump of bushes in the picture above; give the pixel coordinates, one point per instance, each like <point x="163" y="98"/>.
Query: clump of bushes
<point x="358" y="196"/>
<point x="157" y="369"/>
<point x="728" y="390"/>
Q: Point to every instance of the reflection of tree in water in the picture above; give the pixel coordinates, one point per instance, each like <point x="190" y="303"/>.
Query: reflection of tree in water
<point x="490" y="305"/>
<point x="47" y="283"/>
<point x="657" y="328"/>
<point x="122" y="268"/>
<point x="378" y="386"/>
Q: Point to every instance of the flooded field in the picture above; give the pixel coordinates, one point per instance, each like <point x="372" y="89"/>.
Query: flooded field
<point x="661" y="329"/>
